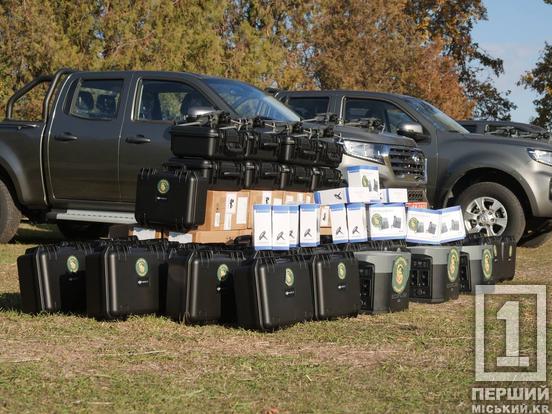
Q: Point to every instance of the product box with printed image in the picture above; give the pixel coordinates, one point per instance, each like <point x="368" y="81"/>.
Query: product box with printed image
<point x="325" y="217"/>
<point x="262" y="227"/>
<point x="423" y="226"/>
<point x="394" y="195"/>
<point x="331" y="196"/>
<point x="356" y="222"/>
<point x="280" y="227"/>
<point x="293" y="225"/>
<point x="387" y="221"/>
<point x="365" y="176"/>
<point x="452" y="224"/>
<point x="309" y="225"/>
<point x="340" y="232"/>
<point x="257" y="197"/>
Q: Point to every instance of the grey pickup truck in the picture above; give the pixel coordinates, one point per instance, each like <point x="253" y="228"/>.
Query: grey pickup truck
<point x="504" y="186"/>
<point x="76" y="161"/>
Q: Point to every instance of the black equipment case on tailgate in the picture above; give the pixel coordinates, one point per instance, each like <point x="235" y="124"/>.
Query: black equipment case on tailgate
<point x="335" y="280"/>
<point x="123" y="280"/>
<point x="384" y="285"/>
<point x="273" y="291"/>
<point x="174" y="198"/>
<point x="434" y="273"/>
<point x="52" y="278"/>
<point x="200" y="285"/>
<point x="222" y="143"/>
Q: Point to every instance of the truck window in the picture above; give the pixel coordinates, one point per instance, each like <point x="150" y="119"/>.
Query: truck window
<point x="29" y="106"/>
<point x="96" y="99"/>
<point x="389" y="114"/>
<point x="307" y="108"/>
<point x="161" y="100"/>
<point x="472" y="128"/>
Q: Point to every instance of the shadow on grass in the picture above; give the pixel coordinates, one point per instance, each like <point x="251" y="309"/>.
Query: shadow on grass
<point x="37" y="234"/>
<point x="10" y="302"/>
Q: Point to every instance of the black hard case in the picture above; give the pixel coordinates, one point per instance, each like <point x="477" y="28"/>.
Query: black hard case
<point x="429" y="280"/>
<point x="303" y="178"/>
<point x="471" y="271"/>
<point x="181" y="207"/>
<point x="504" y="252"/>
<point x="114" y="287"/>
<point x="269" y="176"/>
<point x="333" y="296"/>
<point x="47" y="282"/>
<point x="220" y="175"/>
<point x="271" y="145"/>
<point x="222" y="143"/>
<point x="197" y="291"/>
<point x="330" y="153"/>
<point x="329" y="178"/>
<point x="263" y="299"/>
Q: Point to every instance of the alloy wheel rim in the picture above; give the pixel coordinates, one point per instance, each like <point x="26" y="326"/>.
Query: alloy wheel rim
<point x="486" y="215"/>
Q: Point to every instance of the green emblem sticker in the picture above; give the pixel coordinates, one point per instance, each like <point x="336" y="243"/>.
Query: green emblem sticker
<point x="141" y="267"/>
<point x="487" y="263"/>
<point x="341" y="271"/>
<point x="376" y="220"/>
<point x="163" y="186"/>
<point x="413" y="224"/>
<point x="222" y="272"/>
<point x="400" y="274"/>
<point x="72" y="264"/>
<point x="365" y="181"/>
<point x="290" y="277"/>
<point x="453" y="264"/>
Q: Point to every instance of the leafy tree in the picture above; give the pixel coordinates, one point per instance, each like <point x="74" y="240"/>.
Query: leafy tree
<point x="539" y="79"/>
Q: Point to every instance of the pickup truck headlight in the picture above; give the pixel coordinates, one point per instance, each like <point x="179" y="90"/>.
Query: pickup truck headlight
<point x="365" y="151"/>
<point x="544" y="157"/>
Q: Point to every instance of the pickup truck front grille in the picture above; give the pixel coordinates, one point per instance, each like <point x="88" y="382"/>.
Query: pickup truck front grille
<point x="416" y="195"/>
<point x="407" y="162"/>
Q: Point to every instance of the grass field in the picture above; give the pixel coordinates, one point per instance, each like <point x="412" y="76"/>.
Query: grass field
<point x="416" y="361"/>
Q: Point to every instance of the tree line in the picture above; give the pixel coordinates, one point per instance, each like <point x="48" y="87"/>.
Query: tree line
<point x="417" y="47"/>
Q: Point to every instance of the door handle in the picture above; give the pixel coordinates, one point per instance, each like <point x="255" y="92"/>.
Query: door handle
<point x="139" y="139"/>
<point x="66" y="136"/>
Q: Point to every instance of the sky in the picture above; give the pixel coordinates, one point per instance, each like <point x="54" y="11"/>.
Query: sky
<point x="515" y="31"/>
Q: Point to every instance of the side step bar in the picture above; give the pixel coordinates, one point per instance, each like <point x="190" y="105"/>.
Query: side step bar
<point x="114" y="217"/>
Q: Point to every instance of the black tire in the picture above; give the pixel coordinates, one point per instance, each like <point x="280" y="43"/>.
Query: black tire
<point x="10" y="216"/>
<point x="81" y="230"/>
<point x="516" y="217"/>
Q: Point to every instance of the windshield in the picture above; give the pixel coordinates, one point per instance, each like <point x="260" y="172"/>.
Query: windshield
<point x="439" y="119"/>
<point x="249" y="102"/>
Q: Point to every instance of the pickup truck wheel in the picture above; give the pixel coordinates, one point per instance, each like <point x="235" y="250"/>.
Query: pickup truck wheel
<point x="492" y="209"/>
<point x="10" y="216"/>
<point x="80" y="230"/>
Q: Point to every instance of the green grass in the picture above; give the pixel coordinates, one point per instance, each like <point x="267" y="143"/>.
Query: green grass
<point x="416" y="361"/>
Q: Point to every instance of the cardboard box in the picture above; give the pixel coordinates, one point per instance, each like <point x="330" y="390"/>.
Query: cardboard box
<point x="340" y="232"/>
<point x="331" y="196"/>
<point x="257" y="197"/>
<point x="226" y="210"/>
<point x="387" y="221"/>
<point x="145" y="234"/>
<point x="394" y="195"/>
<point x="356" y="222"/>
<point x="298" y="197"/>
<point x="278" y="198"/>
<point x="325" y="220"/>
<point x="262" y="227"/>
<point x="361" y="195"/>
<point x="366" y="176"/>
<point x="280" y="227"/>
<point x="182" y="238"/>
<point x="309" y="225"/>
<point x="198" y="236"/>
<point x="293" y="225"/>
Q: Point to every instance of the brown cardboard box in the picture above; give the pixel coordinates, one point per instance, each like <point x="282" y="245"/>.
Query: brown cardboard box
<point x="257" y="197"/>
<point x="214" y="236"/>
<point x="325" y="217"/>
<point x="278" y="198"/>
<point x="225" y="210"/>
<point x="145" y="234"/>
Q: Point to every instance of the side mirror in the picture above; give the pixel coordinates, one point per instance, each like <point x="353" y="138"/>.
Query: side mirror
<point x="196" y="112"/>
<point x="410" y="130"/>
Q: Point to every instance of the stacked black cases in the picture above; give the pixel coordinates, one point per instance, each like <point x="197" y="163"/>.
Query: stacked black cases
<point x="476" y="268"/>
<point x="200" y="286"/>
<point x="270" y="145"/>
<point x="52" y="278"/>
<point x="434" y="274"/>
<point x="383" y="281"/>
<point x="273" y="291"/>
<point x="336" y="285"/>
<point x="269" y="176"/>
<point x="329" y="178"/>
<point x="331" y="152"/>
<point x="303" y="178"/>
<point x="174" y="198"/>
<point x="123" y="280"/>
<point x="226" y="142"/>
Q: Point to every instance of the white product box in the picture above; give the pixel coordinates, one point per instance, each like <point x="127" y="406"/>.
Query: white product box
<point x="331" y="196"/>
<point x="309" y="225"/>
<point x="356" y="222"/>
<point x="362" y="195"/>
<point x="423" y="226"/>
<point x="394" y="195"/>
<point x="280" y="227"/>
<point x="181" y="238"/>
<point x="293" y="225"/>
<point x="262" y="227"/>
<point x="452" y="224"/>
<point x="387" y="221"/>
<point x="340" y="233"/>
<point x="144" y="234"/>
<point x="366" y="176"/>
<point x="325" y="216"/>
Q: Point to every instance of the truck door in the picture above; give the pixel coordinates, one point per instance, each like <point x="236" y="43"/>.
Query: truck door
<point x="84" y="137"/>
<point x="146" y="141"/>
